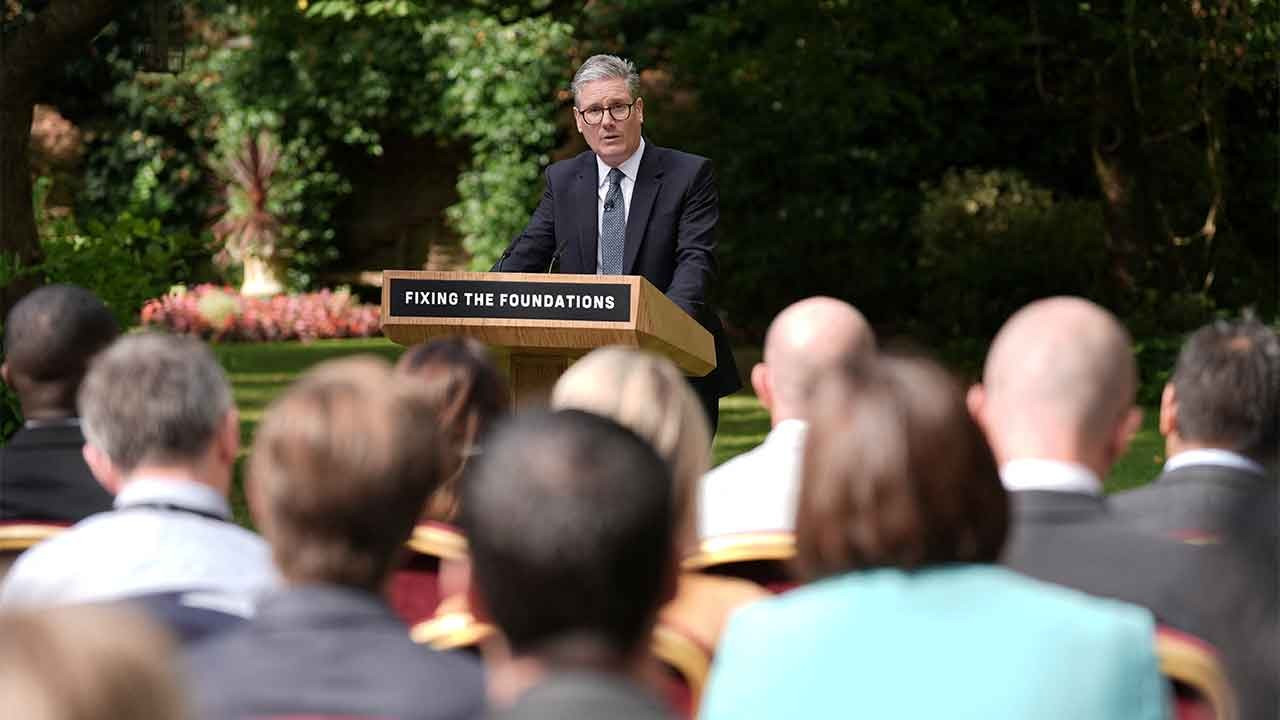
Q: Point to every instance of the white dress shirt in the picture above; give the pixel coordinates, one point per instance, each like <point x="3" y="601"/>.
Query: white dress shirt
<point x="165" y="535"/>
<point x="1051" y="475"/>
<point x="1213" y="456"/>
<point x="630" y="170"/>
<point x="755" y="491"/>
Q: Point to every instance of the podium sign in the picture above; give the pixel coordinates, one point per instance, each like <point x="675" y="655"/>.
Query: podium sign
<point x="538" y="324"/>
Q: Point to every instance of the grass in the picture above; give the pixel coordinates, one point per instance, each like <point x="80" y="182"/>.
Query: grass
<point x="259" y="371"/>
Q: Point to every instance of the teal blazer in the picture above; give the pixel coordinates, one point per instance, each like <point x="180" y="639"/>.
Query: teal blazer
<point x="954" y="643"/>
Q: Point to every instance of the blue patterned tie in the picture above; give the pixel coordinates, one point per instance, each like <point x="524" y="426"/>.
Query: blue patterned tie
<point x="613" y="227"/>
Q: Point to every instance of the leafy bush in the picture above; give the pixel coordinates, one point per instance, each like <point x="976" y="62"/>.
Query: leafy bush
<point x="220" y="313"/>
<point x="992" y="241"/>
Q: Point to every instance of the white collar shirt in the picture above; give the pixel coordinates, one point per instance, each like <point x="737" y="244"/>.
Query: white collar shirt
<point x="1051" y="475"/>
<point x="165" y="535"/>
<point x="1213" y="456"/>
<point x="630" y="171"/>
<point x="755" y="491"/>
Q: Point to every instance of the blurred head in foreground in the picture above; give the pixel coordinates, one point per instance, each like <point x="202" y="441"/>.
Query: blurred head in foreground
<point x="902" y="477"/>
<point x="340" y="468"/>
<point x="468" y="395"/>
<point x="1059" y="384"/>
<point x="1225" y="392"/>
<point x="87" y="663"/>
<point x="50" y="336"/>
<point x="646" y="393"/>
<point x="569" y="516"/>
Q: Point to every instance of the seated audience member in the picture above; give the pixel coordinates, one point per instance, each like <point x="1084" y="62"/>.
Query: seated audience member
<point x="340" y="468"/>
<point x="1220" y="417"/>
<point x="49" y="338"/>
<point x="900" y="521"/>
<point x="756" y="491"/>
<point x="469" y="395"/>
<point x="1057" y="404"/>
<point x="569" y="518"/>
<point x="647" y="394"/>
<point x="161" y="433"/>
<point x="87" y="663"/>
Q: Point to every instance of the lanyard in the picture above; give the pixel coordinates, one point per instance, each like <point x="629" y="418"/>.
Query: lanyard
<point x="170" y="507"/>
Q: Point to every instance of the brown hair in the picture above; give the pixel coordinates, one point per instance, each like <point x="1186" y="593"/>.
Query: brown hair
<point x="87" y="663"/>
<point x="340" y="468"/>
<point x="469" y="395"/>
<point x="896" y="474"/>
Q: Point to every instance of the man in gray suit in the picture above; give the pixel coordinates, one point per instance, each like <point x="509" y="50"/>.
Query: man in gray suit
<point x="340" y="470"/>
<point x="569" y="520"/>
<point x="1220" y="417"/>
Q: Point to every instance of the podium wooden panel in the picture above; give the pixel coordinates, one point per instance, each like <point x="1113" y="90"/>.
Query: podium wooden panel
<point x="534" y="344"/>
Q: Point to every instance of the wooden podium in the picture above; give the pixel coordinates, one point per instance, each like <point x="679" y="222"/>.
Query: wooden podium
<point x="538" y="324"/>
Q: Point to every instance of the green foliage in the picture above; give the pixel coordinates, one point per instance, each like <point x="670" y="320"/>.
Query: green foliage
<point x="990" y="242"/>
<point x="338" y="79"/>
<point x="125" y="262"/>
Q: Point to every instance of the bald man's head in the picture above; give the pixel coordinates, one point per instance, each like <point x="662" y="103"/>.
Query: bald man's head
<point x="806" y="339"/>
<point x="1059" y="383"/>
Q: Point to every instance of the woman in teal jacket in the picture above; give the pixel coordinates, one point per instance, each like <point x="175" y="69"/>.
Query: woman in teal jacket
<point x="900" y="522"/>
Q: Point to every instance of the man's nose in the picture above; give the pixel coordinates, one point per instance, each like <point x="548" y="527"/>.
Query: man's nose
<point x="607" y="121"/>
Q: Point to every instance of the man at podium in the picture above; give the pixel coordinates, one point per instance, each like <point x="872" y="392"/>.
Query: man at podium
<point x="628" y="207"/>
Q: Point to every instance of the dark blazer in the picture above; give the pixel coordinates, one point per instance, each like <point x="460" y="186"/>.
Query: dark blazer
<point x="330" y="651"/>
<point x="1074" y="539"/>
<point x="670" y="239"/>
<point x="43" y="477"/>
<point x="1212" y="502"/>
<point x="585" y="695"/>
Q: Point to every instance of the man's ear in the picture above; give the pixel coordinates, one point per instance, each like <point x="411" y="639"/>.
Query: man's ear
<point x="639" y="109"/>
<point x="228" y="438"/>
<point x="4" y="374"/>
<point x="976" y="399"/>
<point x="763" y="386"/>
<point x="104" y="471"/>
<point x="1123" y="434"/>
<point x="577" y="120"/>
<point x="1168" y="410"/>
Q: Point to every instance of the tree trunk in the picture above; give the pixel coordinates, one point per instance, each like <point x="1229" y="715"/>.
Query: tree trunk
<point x="27" y="54"/>
<point x="18" y="241"/>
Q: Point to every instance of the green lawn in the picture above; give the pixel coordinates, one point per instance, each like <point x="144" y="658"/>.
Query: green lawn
<point x="259" y="371"/>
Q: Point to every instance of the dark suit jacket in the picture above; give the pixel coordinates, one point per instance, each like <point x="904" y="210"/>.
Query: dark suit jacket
<point x="330" y="651"/>
<point x="670" y="239"/>
<point x="1074" y="539"/>
<point x="43" y="477"/>
<point x="585" y="696"/>
<point x="1221" y="503"/>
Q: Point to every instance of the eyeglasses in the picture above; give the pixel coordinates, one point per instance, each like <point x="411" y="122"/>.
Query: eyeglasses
<point x="593" y="116"/>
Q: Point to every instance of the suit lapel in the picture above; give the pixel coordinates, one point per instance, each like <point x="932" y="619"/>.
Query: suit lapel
<point x="648" y="183"/>
<point x="587" y="200"/>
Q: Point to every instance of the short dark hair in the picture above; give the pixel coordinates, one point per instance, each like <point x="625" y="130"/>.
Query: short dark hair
<point x="469" y="396"/>
<point x="896" y="474"/>
<point x="1227" y="383"/>
<point x="570" y="524"/>
<point x="50" y="336"/>
<point x="340" y="467"/>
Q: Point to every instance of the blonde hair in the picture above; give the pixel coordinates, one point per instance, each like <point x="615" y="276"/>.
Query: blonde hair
<point x="646" y="393"/>
<point x="87" y="663"/>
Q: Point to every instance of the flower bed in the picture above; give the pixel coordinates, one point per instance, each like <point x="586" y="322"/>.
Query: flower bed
<point x="220" y="313"/>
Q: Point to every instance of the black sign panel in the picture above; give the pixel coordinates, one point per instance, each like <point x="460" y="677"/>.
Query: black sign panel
<point x="607" y="302"/>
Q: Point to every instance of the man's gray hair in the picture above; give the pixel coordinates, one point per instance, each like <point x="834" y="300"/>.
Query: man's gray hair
<point x="606" y="67"/>
<point x="153" y="397"/>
